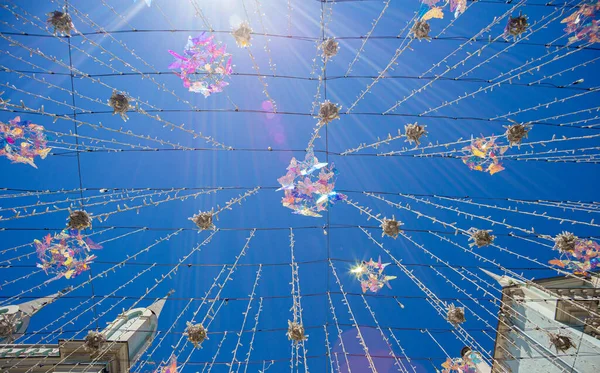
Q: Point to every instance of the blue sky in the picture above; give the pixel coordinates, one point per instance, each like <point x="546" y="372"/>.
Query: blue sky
<point x="251" y="130"/>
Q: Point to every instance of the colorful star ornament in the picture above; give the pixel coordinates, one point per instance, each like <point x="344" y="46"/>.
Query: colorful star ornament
<point x="466" y="364"/>
<point x="584" y="257"/>
<point x="21" y="141"/>
<point x="309" y="186"/>
<point x="66" y="254"/>
<point x="371" y="277"/>
<point x="583" y="24"/>
<point x="170" y="368"/>
<point x="203" y="66"/>
<point x="483" y="155"/>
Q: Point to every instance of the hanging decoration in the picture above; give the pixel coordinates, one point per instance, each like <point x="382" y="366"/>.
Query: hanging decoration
<point x="480" y="237"/>
<point x="61" y="22"/>
<point x="203" y="66"/>
<point x="94" y="341"/>
<point x="306" y="192"/>
<point x="330" y="48"/>
<point x="296" y="332"/>
<point x="516" y="132"/>
<point x="120" y="104"/>
<point x="204" y="220"/>
<point x="242" y="35"/>
<point x="583" y="23"/>
<point x="420" y="30"/>
<point x="8" y="327"/>
<point x="458" y="7"/>
<point x="434" y="12"/>
<point x="171" y="368"/>
<point x="391" y="227"/>
<point x="413" y="133"/>
<point x="516" y="26"/>
<point x="483" y="155"/>
<point x="79" y="220"/>
<point x="565" y="242"/>
<point x="371" y="277"/>
<point x="66" y="254"/>
<point x="466" y="364"/>
<point x="584" y="257"/>
<point x="561" y="343"/>
<point x="196" y="334"/>
<point x="328" y="111"/>
<point x="21" y="141"/>
<point x="455" y="315"/>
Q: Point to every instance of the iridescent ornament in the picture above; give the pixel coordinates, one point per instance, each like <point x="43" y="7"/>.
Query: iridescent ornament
<point x="465" y="364"/>
<point x="22" y="141"/>
<point x="371" y="276"/>
<point x="456" y="6"/>
<point x="66" y="254"/>
<point x="483" y="155"/>
<point x="203" y="66"/>
<point x="307" y="192"/>
<point x="584" y="257"/>
<point x="170" y="368"/>
<point x="584" y="23"/>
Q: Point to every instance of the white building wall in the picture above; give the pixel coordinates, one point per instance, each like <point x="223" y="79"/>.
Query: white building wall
<point x="532" y="348"/>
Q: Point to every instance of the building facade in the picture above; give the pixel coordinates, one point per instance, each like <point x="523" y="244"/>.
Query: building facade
<point x="548" y="328"/>
<point x="127" y="337"/>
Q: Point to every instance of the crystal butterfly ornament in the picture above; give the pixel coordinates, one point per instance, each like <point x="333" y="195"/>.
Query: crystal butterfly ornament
<point x="370" y="275"/>
<point x="483" y="154"/>
<point x="66" y="254"/>
<point x="22" y="141"/>
<point x="204" y="65"/>
<point x="307" y="192"/>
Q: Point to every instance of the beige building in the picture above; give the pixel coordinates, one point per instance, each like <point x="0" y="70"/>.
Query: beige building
<point x="127" y="338"/>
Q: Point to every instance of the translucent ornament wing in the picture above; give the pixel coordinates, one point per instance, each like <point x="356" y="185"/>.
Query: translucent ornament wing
<point x="433" y="13"/>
